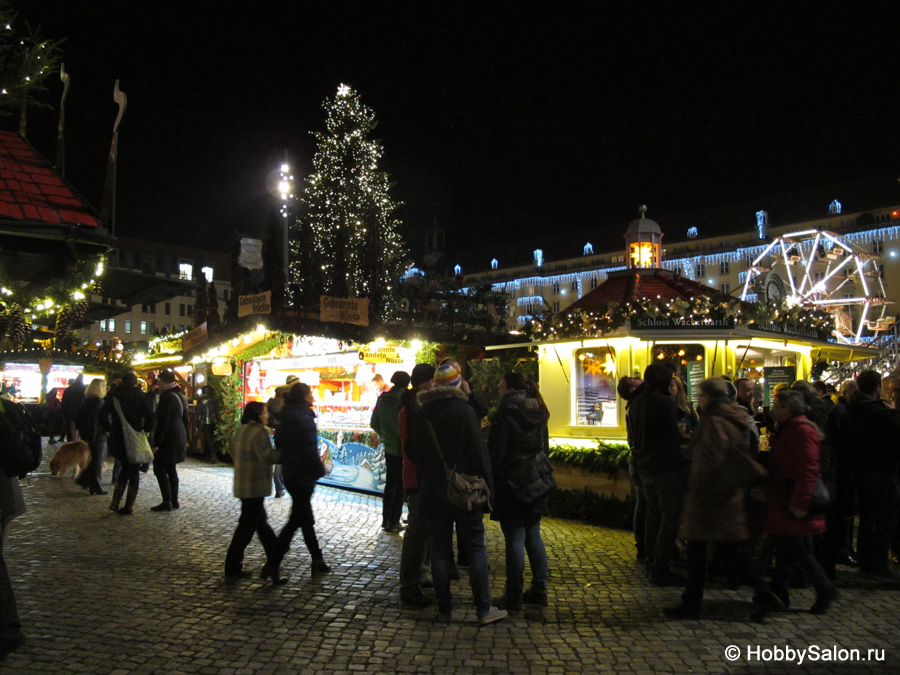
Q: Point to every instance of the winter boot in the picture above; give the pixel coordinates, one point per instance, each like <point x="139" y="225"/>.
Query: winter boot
<point x="130" y="498"/>
<point x="117" y="497"/>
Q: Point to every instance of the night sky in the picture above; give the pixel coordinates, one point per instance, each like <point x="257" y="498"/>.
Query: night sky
<point x="499" y="119"/>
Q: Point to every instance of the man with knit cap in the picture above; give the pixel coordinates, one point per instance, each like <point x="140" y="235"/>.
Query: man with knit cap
<point x="449" y="434"/>
<point x="384" y="423"/>
<point x="413" y="558"/>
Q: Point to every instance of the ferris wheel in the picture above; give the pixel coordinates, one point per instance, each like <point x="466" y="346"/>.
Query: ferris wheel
<point x="822" y="269"/>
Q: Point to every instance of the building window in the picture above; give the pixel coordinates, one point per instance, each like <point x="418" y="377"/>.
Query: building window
<point x="700" y="271"/>
<point x="127" y="325"/>
<point x="208" y="273"/>
<point x="151" y="326"/>
<point x="111" y="325"/>
<point x="168" y="308"/>
<point x="724" y="267"/>
<point x="225" y="291"/>
<point x="725" y="288"/>
<point x="556" y="306"/>
<point x="556" y="287"/>
<point x="102" y="325"/>
<point x="574" y="286"/>
<point x="181" y="328"/>
<point x="148" y="309"/>
<point x="143" y="327"/>
<point x="185" y="271"/>
<point x="877" y="245"/>
<point x="181" y="311"/>
<point x="593" y="282"/>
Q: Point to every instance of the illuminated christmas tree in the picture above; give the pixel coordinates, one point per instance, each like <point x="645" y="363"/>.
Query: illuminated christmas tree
<point x="347" y="243"/>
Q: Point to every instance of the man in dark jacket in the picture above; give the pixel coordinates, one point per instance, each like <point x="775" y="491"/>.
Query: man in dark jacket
<point x="876" y="459"/>
<point x="384" y="423"/>
<point x="448" y="434"/>
<point x="415" y="540"/>
<point x="662" y="467"/>
<point x="629" y="388"/>
<point x="169" y="440"/>
<point x="72" y="399"/>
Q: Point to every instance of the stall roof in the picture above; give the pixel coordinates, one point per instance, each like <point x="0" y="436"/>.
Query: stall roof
<point x="636" y="284"/>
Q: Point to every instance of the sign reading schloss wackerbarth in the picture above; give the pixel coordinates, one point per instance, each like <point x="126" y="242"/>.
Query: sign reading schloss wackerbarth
<point x="344" y="310"/>
<point x="261" y="303"/>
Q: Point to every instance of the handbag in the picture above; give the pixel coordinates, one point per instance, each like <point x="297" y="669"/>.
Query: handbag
<point x="819" y="503"/>
<point x="469" y="493"/>
<point x="137" y="447"/>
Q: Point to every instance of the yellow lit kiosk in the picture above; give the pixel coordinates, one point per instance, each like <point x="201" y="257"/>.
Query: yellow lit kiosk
<point x="642" y="315"/>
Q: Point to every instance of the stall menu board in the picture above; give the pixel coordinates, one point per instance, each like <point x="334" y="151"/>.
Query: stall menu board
<point x="695" y="372"/>
<point x="777" y="375"/>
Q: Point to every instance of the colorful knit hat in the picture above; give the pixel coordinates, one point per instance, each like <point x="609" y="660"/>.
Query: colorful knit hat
<point x="447" y="376"/>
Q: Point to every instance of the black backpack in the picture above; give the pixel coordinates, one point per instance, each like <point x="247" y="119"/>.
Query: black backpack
<point x="20" y="441"/>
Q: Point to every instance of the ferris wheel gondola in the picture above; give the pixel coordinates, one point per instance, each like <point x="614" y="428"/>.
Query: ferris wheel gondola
<point x="820" y="268"/>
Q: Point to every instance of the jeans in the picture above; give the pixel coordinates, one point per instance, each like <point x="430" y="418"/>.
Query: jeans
<point x="665" y="491"/>
<point x="415" y="548"/>
<point x="253" y="520"/>
<point x="471" y="528"/>
<point x="392" y="502"/>
<point x="877" y="497"/>
<point x="129" y="473"/>
<point x="278" y="478"/>
<point x="301" y="518"/>
<point x="167" y="477"/>
<point x="521" y="535"/>
<point x="640" y="508"/>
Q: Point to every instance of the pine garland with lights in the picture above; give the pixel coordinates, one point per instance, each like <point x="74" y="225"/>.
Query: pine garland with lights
<point x="347" y="244"/>
<point x="698" y="310"/>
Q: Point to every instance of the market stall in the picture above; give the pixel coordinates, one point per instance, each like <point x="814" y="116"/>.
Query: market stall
<point x="28" y="379"/>
<point x="342" y="379"/>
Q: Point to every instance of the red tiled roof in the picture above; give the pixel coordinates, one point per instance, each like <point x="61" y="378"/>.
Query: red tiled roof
<point x="31" y="190"/>
<point x="641" y="283"/>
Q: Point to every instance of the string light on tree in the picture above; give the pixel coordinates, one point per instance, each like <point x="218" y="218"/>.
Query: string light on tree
<point x="348" y="244"/>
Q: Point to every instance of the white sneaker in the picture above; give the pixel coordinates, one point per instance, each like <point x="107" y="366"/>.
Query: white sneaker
<point x="493" y="615"/>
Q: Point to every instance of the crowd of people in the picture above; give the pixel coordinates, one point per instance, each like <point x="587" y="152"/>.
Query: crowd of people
<point x="701" y="479"/>
<point x="429" y="422"/>
<point x="712" y="494"/>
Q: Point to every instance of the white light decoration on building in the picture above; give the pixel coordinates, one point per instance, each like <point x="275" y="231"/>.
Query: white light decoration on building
<point x="457" y="270"/>
<point x="692" y="232"/>
<point x="762" y="223"/>
<point x="589" y="249"/>
<point x="494" y="264"/>
<point x="538" y="257"/>
<point x="185" y="271"/>
<point x="208" y="273"/>
<point x="834" y="208"/>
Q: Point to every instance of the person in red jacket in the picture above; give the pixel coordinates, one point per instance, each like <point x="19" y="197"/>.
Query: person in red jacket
<point x="793" y="469"/>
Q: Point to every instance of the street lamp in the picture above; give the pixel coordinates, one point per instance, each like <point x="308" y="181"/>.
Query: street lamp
<point x="286" y="191"/>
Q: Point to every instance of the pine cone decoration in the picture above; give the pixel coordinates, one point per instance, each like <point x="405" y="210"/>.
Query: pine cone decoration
<point x="17" y="327"/>
<point x="79" y="309"/>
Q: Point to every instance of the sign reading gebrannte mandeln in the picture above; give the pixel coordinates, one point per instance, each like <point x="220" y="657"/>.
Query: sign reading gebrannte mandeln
<point x="344" y="310"/>
<point x="260" y="303"/>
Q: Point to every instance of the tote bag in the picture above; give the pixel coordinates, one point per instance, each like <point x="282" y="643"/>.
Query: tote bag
<point x="137" y="447"/>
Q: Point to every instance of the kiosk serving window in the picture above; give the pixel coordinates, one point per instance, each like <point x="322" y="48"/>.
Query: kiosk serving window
<point x="595" y="387"/>
<point x="687" y="361"/>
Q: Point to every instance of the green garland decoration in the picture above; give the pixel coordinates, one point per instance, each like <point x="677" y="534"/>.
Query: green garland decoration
<point x="609" y="458"/>
<point x="581" y="323"/>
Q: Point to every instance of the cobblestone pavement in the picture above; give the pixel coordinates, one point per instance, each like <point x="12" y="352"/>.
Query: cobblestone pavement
<point x="101" y="593"/>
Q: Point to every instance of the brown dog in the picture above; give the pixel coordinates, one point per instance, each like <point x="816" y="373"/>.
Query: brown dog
<point x="73" y="456"/>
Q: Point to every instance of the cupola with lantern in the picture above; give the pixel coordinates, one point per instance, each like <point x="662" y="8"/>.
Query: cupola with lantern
<point x="643" y="242"/>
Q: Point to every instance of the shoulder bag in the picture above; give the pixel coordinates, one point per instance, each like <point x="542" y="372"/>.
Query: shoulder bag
<point x="469" y="493"/>
<point x="137" y="447"/>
